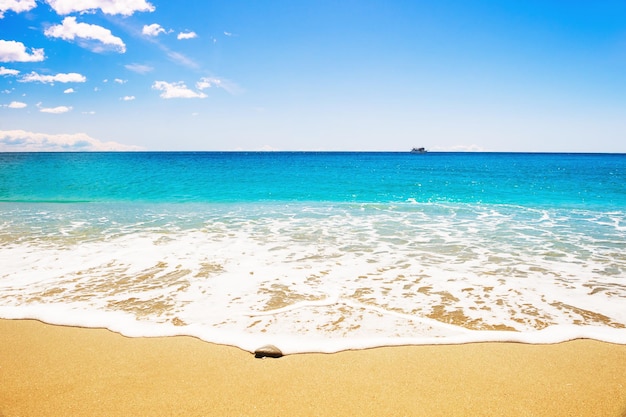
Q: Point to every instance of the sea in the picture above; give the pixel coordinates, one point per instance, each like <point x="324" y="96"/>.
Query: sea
<point x="318" y="251"/>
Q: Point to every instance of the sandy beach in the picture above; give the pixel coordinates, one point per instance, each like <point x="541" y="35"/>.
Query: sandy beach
<point x="50" y="370"/>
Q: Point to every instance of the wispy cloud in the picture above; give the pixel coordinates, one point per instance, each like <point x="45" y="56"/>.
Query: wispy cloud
<point x="86" y="34"/>
<point x="187" y="35"/>
<point x="55" y="110"/>
<point x="69" y="91"/>
<point x="176" y="57"/>
<point x="176" y="90"/>
<point x="139" y="68"/>
<point x="208" y="82"/>
<point x="180" y="58"/>
<point x="13" y="51"/>
<point x="24" y="141"/>
<point x="71" y="77"/>
<point x="461" y="148"/>
<point x="17" y="6"/>
<point x="112" y="7"/>
<point x="128" y="98"/>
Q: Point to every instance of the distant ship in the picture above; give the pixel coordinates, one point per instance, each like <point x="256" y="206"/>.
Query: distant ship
<point x="418" y="150"/>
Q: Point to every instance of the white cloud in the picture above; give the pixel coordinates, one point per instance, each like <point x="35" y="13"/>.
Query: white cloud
<point x="13" y="51"/>
<point x="69" y="91"/>
<point x="138" y="68"/>
<point x="128" y="98"/>
<point x="176" y="90"/>
<point x="23" y="141"/>
<point x="187" y="35"/>
<point x="55" y="110"/>
<point x="16" y="6"/>
<point x="71" y="77"/>
<point x="152" y="30"/>
<point x="123" y="7"/>
<point x="89" y="112"/>
<point x="16" y="105"/>
<point x="119" y="81"/>
<point x="86" y="34"/>
<point x="228" y="34"/>
<point x="7" y="71"/>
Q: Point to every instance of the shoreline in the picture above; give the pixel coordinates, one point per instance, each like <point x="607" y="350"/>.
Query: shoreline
<point x="57" y="370"/>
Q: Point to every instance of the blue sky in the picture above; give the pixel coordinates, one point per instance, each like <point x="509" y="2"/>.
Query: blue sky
<point x="313" y="75"/>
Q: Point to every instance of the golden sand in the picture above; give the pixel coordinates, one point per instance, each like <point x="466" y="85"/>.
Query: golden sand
<point x="65" y="371"/>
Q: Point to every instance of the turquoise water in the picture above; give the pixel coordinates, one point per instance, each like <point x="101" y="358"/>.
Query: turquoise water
<point x="493" y="178"/>
<point x="318" y="251"/>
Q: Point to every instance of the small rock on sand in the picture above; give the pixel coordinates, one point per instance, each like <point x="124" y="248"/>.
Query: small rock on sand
<point x="268" y="351"/>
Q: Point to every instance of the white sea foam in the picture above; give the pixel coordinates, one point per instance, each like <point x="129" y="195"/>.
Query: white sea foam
<point x="319" y="277"/>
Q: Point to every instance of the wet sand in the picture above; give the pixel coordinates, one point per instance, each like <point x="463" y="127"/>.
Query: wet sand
<point x="65" y="371"/>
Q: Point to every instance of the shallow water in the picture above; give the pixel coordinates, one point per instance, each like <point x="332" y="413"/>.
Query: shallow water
<point x="318" y="252"/>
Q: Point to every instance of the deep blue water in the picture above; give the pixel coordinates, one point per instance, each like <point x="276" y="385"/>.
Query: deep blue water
<point x="175" y="177"/>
